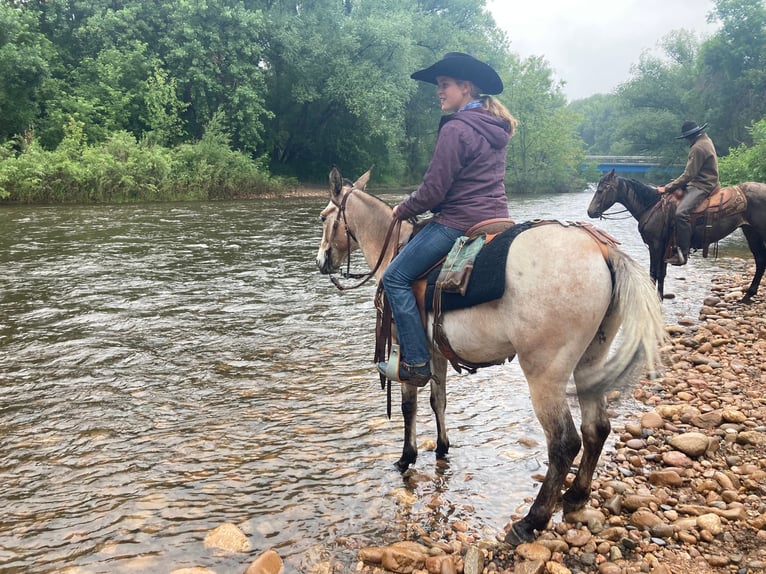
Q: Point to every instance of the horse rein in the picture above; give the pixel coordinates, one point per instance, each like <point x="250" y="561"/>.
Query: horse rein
<point x="395" y="224"/>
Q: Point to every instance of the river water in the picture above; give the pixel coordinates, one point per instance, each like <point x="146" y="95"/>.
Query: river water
<point x="167" y="368"/>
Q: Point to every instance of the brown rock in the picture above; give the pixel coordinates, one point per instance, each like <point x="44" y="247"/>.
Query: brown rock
<point x="651" y="420"/>
<point x="693" y="444"/>
<point x="665" y="478"/>
<point x="267" y="563"/>
<point x="401" y="560"/>
<point x="533" y="551"/>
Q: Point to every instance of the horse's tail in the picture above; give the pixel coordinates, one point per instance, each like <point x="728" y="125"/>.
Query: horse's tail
<point x="635" y="301"/>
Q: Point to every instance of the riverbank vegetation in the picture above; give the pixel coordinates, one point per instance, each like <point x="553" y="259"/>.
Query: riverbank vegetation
<point x="107" y="101"/>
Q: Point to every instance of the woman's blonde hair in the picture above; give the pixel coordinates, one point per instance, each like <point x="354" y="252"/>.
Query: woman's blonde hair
<point x="497" y="109"/>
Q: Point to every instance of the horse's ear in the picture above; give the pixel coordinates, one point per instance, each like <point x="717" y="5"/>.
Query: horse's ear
<point x="610" y="175"/>
<point x="336" y="182"/>
<point x="361" y="183"/>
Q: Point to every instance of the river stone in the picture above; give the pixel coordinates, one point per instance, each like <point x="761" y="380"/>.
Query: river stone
<point x="591" y="517"/>
<point x="755" y="438"/>
<point x="267" y="563"/>
<point x="693" y="444"/>
<point x="401" y="560"/>
<point x="473" y="561"/>
<point x="577" y="537"/>
<point x="556" y="568"/>
<point x="193" y="570"/>
<point x="733" y="416"/>
<point x="665" y="478"/>
<point x="527" y="567"/>
<point x="710" y="522"/>
<point x="533" y="551"/>
<point x="227" y="537"/>
<point x="635" y="501"/>
<point x="709" y="420"/>
<point x="676" y="458"/>
<point x="645" y="519"/>
<point x="609" y="568"/>
<point x="651" y="420"/>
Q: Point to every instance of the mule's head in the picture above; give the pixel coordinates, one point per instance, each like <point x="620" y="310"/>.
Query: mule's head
<point x="337" y="243"/>
<point x="605" y="196"/>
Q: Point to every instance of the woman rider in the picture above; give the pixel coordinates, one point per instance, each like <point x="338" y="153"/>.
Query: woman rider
<point x="463" y="185"/>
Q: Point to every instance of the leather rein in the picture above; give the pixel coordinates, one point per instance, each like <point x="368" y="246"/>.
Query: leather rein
<point x="396" y="224"/>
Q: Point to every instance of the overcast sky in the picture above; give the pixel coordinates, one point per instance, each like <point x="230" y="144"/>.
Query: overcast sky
<point x="592" y="44"/>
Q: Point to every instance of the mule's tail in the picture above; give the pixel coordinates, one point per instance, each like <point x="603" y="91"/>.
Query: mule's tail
<point x="642" y="331"/>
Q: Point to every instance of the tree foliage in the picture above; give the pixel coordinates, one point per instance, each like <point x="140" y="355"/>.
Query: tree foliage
<point x="294" y="86"/>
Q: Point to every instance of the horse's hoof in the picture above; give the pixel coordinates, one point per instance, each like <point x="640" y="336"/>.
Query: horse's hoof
<point x="516" y="536"/>
<point x="401" y="465"/>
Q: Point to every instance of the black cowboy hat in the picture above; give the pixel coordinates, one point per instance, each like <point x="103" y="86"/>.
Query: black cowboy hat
<point x="690" y="129"/>
<point x="462" y="67"/>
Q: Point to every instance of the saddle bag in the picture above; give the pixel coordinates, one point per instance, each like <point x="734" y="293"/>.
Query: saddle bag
<point x="457" y="267"/>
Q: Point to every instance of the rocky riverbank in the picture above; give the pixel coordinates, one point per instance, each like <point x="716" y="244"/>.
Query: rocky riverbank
<point x="682" y="489"/>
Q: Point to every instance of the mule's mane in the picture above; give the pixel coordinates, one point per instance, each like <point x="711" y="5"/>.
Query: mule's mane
<point x="646" y="194"/>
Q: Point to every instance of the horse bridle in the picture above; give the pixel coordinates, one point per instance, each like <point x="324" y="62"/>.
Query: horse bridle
<point x="341" y="214"/>
<point x="612" y="216"/>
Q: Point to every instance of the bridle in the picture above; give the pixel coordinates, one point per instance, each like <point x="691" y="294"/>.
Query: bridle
<point x="396" y="224"/>
<point x="624" y="213"/>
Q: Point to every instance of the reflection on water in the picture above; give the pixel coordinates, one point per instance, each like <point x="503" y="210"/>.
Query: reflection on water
<point x="167" y="368"/>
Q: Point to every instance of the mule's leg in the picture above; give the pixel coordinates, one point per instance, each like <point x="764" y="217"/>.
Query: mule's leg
<point x="409" y="413"/>
<point x="595" y="429"/>
<point x="549" y="402"/>
<point x="756" y="244"/>
<point x="439" y="403"/>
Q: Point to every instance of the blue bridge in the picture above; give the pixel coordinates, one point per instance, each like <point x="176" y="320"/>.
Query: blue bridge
<point x="629" y="163"/>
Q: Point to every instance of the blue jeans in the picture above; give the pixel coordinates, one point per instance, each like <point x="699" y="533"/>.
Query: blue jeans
<point x="431" y="244"/>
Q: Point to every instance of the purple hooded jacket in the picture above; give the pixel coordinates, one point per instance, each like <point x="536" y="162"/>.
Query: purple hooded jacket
<point x="464" y="183"/>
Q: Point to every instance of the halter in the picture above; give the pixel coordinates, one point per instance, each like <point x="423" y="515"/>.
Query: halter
<point x="395" y="224"/>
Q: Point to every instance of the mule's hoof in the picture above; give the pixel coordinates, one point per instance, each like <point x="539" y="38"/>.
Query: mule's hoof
<point x="516" y="536"/>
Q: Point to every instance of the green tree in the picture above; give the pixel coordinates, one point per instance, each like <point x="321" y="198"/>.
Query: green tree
<point x="547" y="153"/>
<point x="732" y="79"/>
<point x="26" y="60"/>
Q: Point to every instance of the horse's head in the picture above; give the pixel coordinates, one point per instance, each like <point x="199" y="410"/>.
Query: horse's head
<point x="338" y="241"/>
<point x="605" y="196"/>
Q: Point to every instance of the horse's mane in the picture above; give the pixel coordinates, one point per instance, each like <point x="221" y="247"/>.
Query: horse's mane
<point x="646" y="194"/>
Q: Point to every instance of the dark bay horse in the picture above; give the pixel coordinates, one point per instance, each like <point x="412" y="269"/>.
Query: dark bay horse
<point x="566" y="298"/>
<point x="747" y="210"/>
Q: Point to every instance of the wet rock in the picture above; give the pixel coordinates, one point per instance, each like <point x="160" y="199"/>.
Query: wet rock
<point x="228" y="537"/>
<point x="267" y="563"/>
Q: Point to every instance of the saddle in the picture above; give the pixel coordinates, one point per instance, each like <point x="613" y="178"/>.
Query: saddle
<point x="483" y="284"/>
<point x="723" y="202"/>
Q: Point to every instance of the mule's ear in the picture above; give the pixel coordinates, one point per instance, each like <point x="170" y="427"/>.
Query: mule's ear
<point x="361" y="183"/>
<point x="336" y="182"/>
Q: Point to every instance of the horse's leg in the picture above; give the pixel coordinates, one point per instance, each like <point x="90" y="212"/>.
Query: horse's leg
<point x="439" y="403"/>
<point x="755" y="242"/>
<point x="595" y="429"/>
<point x="658" y="269"/>
<point x="550" y="405"/>
<point x="409" y="413"/>
<point x="595" y="426"/>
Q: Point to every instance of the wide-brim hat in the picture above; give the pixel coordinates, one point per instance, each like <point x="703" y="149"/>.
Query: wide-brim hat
<point x="462" y="67"/>
<point x="690" y="129"/>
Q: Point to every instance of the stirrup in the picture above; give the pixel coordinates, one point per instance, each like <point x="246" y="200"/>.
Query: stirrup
<point x="392" y="365"/>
